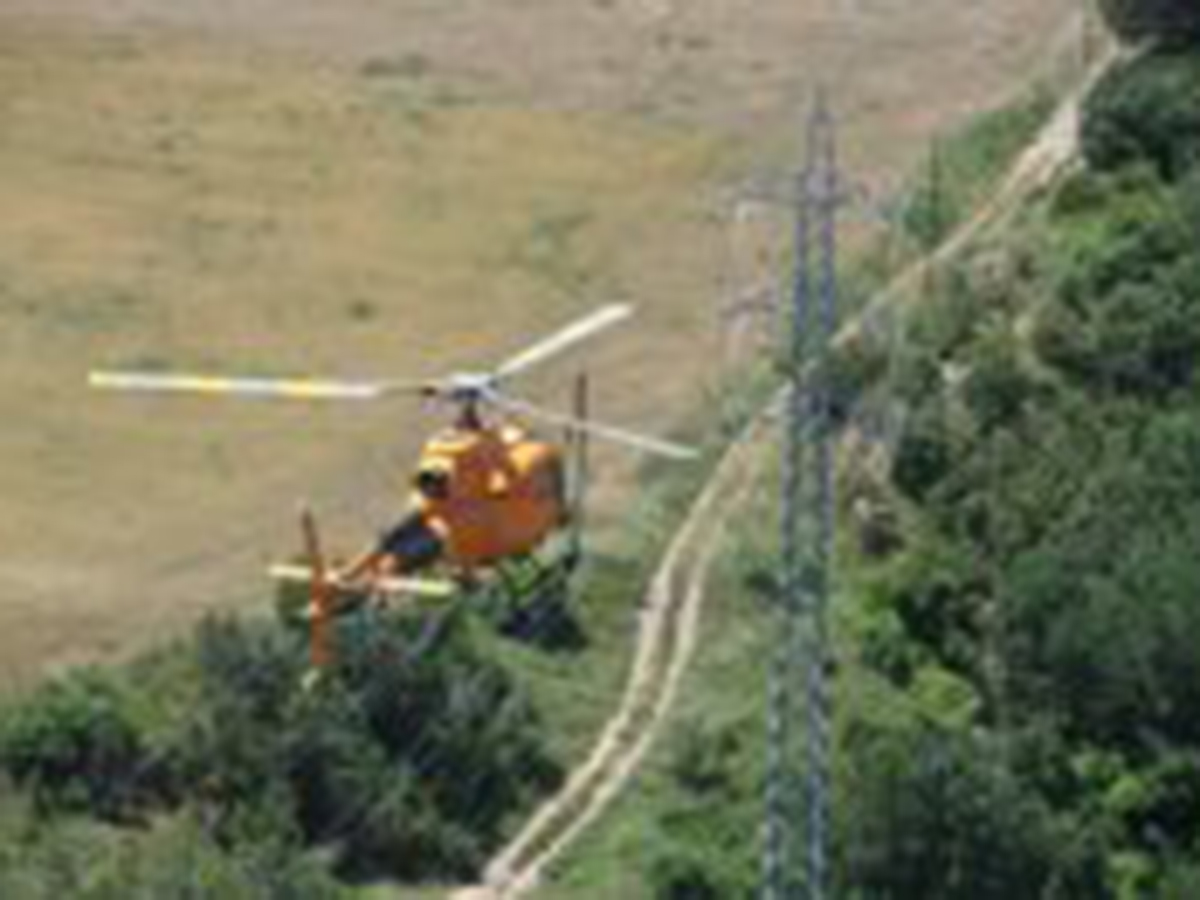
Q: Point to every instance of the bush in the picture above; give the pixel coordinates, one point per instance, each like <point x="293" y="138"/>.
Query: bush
<point x="1143" y="340"/>
<point x="1125" y="318"/>
<point x="997" y="388"/>
<point x="686" y="873"/>
<point x="75" y="747"/>
<point x="1163" y="21"/>
<point x="404" y="764"/>
<point x="938" y="815"/>
<point x="702" y="845"/>
<point x="176" y="860"/>
<point x="407" y="761"/>
<point x="926" y="453"/>
<point x="1146" y="110"/>
<point x="1114" y="652"/>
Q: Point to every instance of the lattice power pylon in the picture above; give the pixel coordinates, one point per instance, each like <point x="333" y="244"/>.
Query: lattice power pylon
<point x="799" y="779"/>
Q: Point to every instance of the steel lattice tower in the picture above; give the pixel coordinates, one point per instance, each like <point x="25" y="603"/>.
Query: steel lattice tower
<point x="798" y="791"/>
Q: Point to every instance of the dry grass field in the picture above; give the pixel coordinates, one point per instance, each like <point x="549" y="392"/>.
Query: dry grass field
<point x="378" y="188"/>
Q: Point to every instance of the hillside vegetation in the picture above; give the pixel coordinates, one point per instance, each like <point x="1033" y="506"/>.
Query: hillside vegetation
<point x="210" y="765"/>
<point x="1161" y="21"/>
<point x="1034" y="605"/>
<point x="1018" y="673"/>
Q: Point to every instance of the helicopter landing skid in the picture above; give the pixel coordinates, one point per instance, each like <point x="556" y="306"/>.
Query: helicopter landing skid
<point x="384" y="587"/>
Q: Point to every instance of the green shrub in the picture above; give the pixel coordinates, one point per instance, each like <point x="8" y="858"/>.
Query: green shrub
<point x="1128" y="286"/>
<point x="404" y="764"/>
<point x="1147" y="110"/>
<point x="997" y="387"/>
<point x="926" y="453"/>
<point x="75" y="747"/>
<point x="408" y="761"/>
<point x="1113" y="652"/>
<point x="706" y="761"/>
<point x="1182" y="879"/>
<point x="1143" y="340"/>
<point x="702" y="846"/>
<point x="1163" y="21"/>
<point x="682" y="872"/>
<point x="176" y="860"/>
<point x="937" y="815"/>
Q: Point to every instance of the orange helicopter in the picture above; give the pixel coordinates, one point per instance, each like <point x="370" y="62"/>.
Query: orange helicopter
<point x="485" y="491"/>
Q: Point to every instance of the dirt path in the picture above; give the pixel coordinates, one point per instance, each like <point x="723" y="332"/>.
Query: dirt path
<point x="671" y="616"/>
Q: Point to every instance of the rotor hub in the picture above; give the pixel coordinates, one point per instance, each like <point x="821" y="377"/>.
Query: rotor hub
<point x="469" y="387"/>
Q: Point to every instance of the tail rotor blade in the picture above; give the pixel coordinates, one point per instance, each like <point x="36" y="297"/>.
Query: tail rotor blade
<point x="561" y="340"/>
<point x="608" y="432"/>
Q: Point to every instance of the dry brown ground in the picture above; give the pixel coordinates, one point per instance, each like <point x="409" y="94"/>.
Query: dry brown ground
<point x="279" y="185"/>
<point x="897" y="67"/>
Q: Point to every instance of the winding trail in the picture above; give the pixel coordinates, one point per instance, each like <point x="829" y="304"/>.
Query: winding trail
<point x="671" y="612"/>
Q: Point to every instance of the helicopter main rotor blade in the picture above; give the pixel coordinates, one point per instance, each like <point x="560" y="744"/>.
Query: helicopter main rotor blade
<point x="578" y="331"/>
<point x="598" y="429"/>
<point x="275" y="388"/>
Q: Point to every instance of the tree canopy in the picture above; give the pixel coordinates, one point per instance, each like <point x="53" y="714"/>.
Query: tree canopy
<point x="1163" y="21"/>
